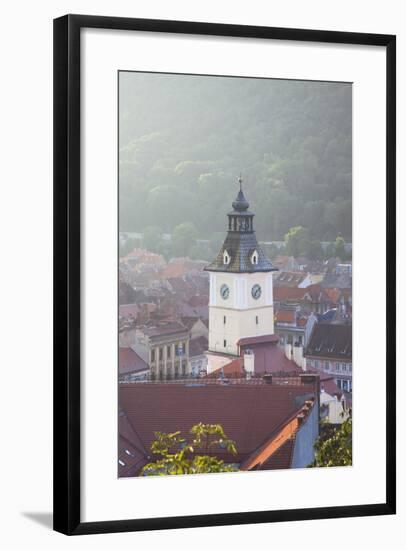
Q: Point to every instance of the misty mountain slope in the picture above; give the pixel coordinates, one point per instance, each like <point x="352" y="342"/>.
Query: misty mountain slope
<point x="184" y="140"/>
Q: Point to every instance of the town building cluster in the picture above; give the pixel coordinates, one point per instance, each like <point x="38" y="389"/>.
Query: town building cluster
<point x="263" y="348"/>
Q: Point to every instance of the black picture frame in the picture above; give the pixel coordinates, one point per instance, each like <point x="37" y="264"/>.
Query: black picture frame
<point x="67" y="266"/>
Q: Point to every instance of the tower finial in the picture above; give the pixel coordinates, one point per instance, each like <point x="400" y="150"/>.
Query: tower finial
<point x="240" y="181"/>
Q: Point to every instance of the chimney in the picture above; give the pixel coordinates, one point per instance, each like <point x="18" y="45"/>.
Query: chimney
<point x="298" y="357"/>
<point x="300" y="417"/>
<point x="249" y="362"/>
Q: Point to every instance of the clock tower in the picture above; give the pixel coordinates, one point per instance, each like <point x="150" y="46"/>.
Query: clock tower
<point x="241" y="296"/>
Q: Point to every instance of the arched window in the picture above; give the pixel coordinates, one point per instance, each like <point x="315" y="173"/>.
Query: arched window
<point x="254" y="258"/>
<point x="226" y="257"/>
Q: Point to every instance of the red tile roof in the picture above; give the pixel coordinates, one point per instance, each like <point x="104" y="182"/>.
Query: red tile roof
<point x="283" y="293"/>
<point x="270" y="358"/>
<point x="333" y="294"/>
<point x="285" y="316"/>
<point x="131" y="451"/>
<point x="196" y="301"/>
<point x="267" y="338"/>
<point x="174" y="270"/>
<point x="164" y="329"/>
<point x="128" y="309"/>
<point x="249" y="413"/>
<point x="289" y="279"/>
<point x="129" y="361"/>
<point x="234" y="369"/>
<point x="282" y="458"/>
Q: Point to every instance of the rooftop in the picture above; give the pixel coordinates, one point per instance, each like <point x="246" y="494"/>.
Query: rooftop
<point x="249" y="413"/>
<point x="165" y="329"/>
<point x="130" y="361"/>
<point x="240" y="243"/>
<point x="331" y="341"/>
<point x="198" y="346"/>
<point x="266" y="338"/>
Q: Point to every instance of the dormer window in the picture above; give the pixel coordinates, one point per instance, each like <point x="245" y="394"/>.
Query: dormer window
<point x="254" y="258"/>
<point x="226" y="257"/>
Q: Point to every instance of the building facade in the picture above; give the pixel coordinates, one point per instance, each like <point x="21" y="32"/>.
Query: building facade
<point x="165" y="349"/>
<point x="241" y="290"/>
<point x="329" y="351"/>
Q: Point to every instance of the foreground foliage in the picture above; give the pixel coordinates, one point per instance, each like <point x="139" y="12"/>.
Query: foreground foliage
<point x="334" y="446"/>
<point x="182" y="455"/>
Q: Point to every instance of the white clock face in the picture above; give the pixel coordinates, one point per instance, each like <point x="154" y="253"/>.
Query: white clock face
<point x="224" y="292"/>
<point x="256" y="292"/>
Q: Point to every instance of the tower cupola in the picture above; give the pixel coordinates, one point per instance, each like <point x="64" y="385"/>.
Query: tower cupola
<point x="241" y="252"/>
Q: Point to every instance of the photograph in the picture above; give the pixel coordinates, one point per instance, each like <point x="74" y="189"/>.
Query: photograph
<point x="234" y="260"/>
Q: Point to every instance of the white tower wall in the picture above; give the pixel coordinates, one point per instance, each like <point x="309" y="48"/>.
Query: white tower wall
<point x="240" y="315"/>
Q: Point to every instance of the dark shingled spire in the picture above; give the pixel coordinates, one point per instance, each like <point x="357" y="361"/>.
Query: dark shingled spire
<point x="241" y="242"/>
<point x="240" y="204"/>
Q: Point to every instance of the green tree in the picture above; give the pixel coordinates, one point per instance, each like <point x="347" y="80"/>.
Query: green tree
<point x="190" y="456"/>
<point x="312" y="250"/>
<point x="338" y="215"/>
<point x="152" y="238"/>
<point x="183" y="238"/>
<point x="329" y="251"/>
<point x="176" y="165"/>
<point x="297" y="240"/>
<point x="334" y="446"/>
<point x="339" y="247"/>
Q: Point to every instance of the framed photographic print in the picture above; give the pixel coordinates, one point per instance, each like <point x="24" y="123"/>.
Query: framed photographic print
<point x="224" y="303"/>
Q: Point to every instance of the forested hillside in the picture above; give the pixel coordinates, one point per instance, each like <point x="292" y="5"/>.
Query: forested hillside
<point x="185" y="139"/>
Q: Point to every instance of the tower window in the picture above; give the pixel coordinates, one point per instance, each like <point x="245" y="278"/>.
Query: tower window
<point x="224" y="320"/>
<point x="226" y="257"/>
<point x="225" y="343"/>
<point x="256" y="320"/>
<point x="254" y="258"/>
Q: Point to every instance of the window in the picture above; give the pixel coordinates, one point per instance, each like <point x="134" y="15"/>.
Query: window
<point x="224" y="320"/>
<point x="254" y="258"/>
<point x="256" y="320"/>
<point x="180" y="350"/>
<point x="225" y="343"/>
<point x="326" y="365"/>
<point x="152" y="355"/>
<point x="121" y="463"/>
<point x="316" y="364"/>
<point x="168" y="352"/>
<point x="226" y="257"/>
<point x="160" y="354"/>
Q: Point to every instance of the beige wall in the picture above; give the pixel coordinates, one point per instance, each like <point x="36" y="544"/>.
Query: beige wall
<point x="335" y="408"/>
<point x="126" y="338"/>
<point x="215" y="362"/>
<point x="240" y="285"/>
<point x="240" y="310"/>
<point x="239" y="324"/>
